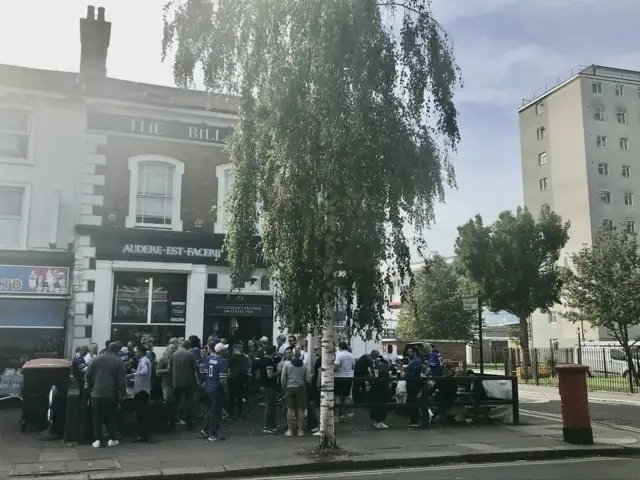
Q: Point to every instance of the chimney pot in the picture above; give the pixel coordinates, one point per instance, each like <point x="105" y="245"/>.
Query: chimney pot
<point x="91" y="12"/>
<point x="101" y="14"/>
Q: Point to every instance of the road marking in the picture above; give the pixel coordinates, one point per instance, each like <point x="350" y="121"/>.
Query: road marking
<point x="555" y="416"/>
<point x="437" y="468"/>
<point x="599" y="400"/>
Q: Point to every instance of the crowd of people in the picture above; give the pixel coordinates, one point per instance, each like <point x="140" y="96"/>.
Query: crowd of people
<point x="216" y="381"/>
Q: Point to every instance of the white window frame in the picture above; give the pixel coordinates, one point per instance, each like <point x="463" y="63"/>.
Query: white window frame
<point x="26" y="210"/>
<point x="619" y="90"/>
<point x="624" y="144"/>
<point x="539" y="108"/>
<point x="605" y="197"/>
<point x="631" y="226"/>
<point x="603" y="169"/>
<point x="596" y="88"/>
<point x="601" y="141"/>
<point x="628" y="199"/>
<point x="30" y="160"/>
<point x="542" y="159"/>
<point x="221" y="223"/>
<point x="626" y="171"/>
<point x="544" y="184"/>
<point x="134" y="170"/>
<point x="598" y="114"/>
<point x="553" y="318"/>
<point x="622" y="117"/>
<point x="541" y="133"/>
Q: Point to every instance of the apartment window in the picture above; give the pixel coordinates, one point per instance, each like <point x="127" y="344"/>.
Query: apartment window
<point x="603" y="169"/>
<point x="605" y="197"/>
<point x="622" y="117"/>
<point x="607" y="223"/>
<point x="539" y="108"/>
<point x="11" y="216"/>
<point x="265" y="282"/>
<point x="542" y="133"/>
<point x="155" y="192"/>
<point x="212" y="280"/>
<point x="624" y="144"/>
<point x="598" y="114"/>
<point x="626" y="171"/>
<point x="15" y="131"/>
<point x="601" y="141"/>
<point x="628" y="199"/>
<point x="631" y="226"/>
<point x="619" y="90"/>
<point x="553" y="318"/>
<point x="544" y="184"/>
<point x="596" y="87"/>
<point x="545" y="208"/>
<point x="542" y="158"/>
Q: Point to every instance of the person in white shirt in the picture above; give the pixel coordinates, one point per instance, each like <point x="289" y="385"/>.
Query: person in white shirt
<point x="393" y="357"/>
<point x="282" y="344"/>
<point x="343" y="366"/>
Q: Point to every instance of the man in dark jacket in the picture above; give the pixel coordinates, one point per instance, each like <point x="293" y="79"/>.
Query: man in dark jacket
<point x="106" y="381"/>
<point x="185" y="372"/>
<point x="238" y="375"/>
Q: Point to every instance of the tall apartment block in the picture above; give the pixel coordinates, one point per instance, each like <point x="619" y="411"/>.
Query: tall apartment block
<point x="580" y="149"/>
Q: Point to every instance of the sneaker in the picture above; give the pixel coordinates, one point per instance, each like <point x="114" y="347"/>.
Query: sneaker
<point x="316" y="434"/>
<point x="204" y="434"/>
<point x="113" y="443"/>
<point x="300" y="433"/>
<point x="216" y="438"/>
<point x="315" y="430"/>
<point x="350" y="416"/>
<point x="412" y="425"/>
<point x="96" y="444"/>
<point x="181" y="422"/>
<point x="288" y="433"/>
<point x="269" y="430"/>
<point x="380" y="425"/>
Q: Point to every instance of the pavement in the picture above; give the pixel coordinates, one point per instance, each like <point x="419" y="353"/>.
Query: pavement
<point x="249" y="452"/>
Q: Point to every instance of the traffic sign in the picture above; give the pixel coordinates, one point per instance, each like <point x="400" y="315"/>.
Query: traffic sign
<point x="470" y="303"/>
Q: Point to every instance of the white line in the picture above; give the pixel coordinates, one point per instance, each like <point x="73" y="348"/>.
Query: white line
<point x="555" y="416"/>
<point x="400" y="470"/>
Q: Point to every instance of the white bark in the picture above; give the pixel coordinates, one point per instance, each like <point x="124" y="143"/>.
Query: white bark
<point x="327" y="424"/>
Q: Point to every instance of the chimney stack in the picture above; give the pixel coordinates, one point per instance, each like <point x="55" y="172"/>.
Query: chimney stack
<point x="95" y="35"/>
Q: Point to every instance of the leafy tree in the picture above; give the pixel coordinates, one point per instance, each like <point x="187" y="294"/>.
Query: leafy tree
<point x="515" y="263"/>
<point x="344" y="131"/>
<point x="603" y="284"/>
<point x="433" y="306"/>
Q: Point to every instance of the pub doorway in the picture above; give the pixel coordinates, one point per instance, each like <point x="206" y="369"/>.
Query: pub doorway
<point x="238" y="317"/>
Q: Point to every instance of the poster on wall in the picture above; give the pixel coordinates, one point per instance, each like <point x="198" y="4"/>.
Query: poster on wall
<point x="22" y="279"/>
<point x="178" y="312"/>
<point x="134" y="301"/>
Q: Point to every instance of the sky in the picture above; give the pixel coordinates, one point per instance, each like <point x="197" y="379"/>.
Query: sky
<point x="507" y="49"/>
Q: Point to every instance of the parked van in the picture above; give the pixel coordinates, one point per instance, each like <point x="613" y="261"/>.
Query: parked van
<point x="605" y="360"/>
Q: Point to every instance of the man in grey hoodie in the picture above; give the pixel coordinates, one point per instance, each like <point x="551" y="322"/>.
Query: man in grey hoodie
<point x="295" y="377"/>
<point x="105" y="379"/>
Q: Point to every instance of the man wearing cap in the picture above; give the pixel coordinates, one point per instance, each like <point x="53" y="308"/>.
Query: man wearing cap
<point x="215" y="386"/>
<point x="238" y="375"/>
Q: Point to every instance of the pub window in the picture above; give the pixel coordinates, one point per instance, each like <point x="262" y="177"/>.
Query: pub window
<point x="148" y="306"/>
<point x="212" y="280"/>
<point x="155" y="192"/>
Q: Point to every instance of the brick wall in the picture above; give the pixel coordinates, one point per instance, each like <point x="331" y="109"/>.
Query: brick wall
<point x="199" y="183"/>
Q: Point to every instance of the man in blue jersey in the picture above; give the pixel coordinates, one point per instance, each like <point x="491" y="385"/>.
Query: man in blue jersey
<point x="434" y="360"/>
<point x="215" y="386"/>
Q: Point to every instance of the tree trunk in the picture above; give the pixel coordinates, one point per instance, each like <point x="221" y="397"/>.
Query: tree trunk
<point x="327" y="424"/>
<point x="524" y="346"/>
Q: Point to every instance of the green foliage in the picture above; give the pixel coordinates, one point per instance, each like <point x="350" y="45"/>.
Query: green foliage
<point x="602" y="286"/>
<point x="433" y="305"/>
<point x="515" y="262"/>
<point x="340" y="112"/>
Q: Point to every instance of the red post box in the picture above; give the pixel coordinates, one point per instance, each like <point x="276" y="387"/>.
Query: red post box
<point x="574" y="401"/>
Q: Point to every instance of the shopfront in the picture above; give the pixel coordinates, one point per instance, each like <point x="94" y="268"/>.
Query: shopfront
<point x="167" y="284"/>
<point x="33" y="309"/>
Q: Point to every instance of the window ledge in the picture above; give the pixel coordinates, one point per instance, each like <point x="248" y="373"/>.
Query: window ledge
<point x="17" y="161"/>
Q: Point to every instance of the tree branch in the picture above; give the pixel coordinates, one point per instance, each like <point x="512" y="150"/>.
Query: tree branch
<point x="415" y="10"/>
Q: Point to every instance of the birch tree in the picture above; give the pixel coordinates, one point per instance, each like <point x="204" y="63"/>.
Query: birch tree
<point x="345" y="126"/>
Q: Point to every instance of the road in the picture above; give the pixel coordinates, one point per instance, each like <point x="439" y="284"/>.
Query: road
<point x="584" y="469"/>
<point x="616" y="414"/>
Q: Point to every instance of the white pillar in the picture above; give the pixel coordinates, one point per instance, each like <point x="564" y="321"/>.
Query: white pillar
<point x="103" y="302"/>
<point x="195" y="301"/>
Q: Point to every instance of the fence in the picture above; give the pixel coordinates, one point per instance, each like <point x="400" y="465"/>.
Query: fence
<point x="608" y="366"/>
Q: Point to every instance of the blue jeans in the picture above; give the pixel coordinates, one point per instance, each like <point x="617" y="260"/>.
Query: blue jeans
<point x="214" y="415"/>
